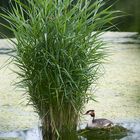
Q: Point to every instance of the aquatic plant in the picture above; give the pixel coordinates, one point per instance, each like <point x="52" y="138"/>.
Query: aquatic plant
<point x="105" y="133"/>
<point x="58" y="53"/>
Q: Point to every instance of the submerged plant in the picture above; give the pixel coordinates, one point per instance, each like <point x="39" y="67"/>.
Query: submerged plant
<point x="58" y="53"/>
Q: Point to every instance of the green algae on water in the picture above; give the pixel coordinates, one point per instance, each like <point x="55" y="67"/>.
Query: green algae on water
<point x="10" y="138"/>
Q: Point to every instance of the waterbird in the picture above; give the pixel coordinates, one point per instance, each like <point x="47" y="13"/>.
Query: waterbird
<point x="97" y="123"/>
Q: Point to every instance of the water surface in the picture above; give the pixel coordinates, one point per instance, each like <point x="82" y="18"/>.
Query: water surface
<point x="118" y="92"/>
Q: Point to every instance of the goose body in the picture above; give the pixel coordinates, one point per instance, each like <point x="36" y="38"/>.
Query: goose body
<point x="97" y="123"/>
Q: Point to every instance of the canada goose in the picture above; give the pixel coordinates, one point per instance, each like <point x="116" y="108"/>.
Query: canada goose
<point x="97" y="123"/>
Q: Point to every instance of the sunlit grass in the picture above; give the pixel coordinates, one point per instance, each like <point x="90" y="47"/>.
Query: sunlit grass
<point x="58" y="55"/>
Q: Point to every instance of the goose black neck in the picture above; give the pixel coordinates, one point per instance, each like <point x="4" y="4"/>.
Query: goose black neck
<point x="93" y="119"/>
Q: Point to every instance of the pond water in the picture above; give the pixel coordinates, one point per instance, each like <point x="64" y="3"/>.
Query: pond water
<point x="35" y="134"/>
<point x="118" y="92"/>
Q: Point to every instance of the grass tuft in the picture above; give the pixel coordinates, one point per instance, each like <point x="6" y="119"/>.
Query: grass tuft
<point x="58" y="53"/>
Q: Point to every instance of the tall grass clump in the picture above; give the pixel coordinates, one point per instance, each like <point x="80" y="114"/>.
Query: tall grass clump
<point x="58" y="53"/>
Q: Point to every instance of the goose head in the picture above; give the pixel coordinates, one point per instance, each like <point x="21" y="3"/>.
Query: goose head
<point x="91" y="113"/>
